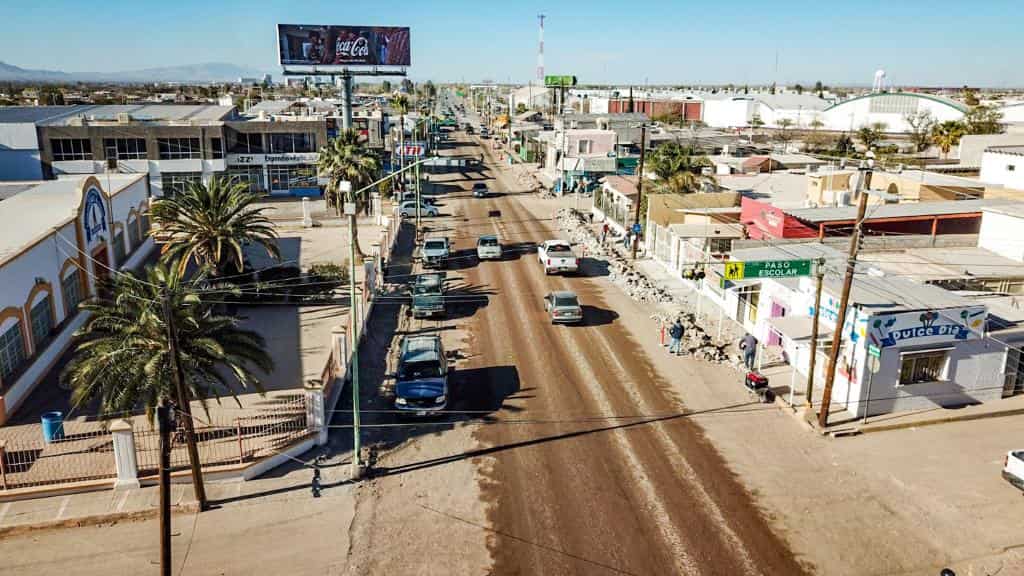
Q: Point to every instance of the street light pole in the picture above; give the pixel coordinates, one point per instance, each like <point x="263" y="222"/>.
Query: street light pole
<point x="639" y="186"/>
<point x="345" y="187"/>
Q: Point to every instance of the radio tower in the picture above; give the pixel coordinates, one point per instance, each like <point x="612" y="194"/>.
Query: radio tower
<point x="540" y="51"/>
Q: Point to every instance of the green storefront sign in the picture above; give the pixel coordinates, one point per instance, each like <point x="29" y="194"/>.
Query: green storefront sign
<point x="560" y="81"/>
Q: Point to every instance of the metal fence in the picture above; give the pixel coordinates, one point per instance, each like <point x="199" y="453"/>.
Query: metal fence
<point x="82" y="451"/>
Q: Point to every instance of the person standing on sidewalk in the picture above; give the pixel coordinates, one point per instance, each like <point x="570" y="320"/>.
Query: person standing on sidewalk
<point x="676" y="334"/>
<point x="749" y="346"/>
<point x="604" y="232"/>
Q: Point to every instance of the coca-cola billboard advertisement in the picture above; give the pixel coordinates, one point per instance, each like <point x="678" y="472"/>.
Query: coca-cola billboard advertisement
<point x="317" y="45"/>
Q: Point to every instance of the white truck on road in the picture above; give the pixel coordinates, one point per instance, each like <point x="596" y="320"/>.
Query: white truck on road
<point x="1013" y="468"/>
<point x="557" y="256"/>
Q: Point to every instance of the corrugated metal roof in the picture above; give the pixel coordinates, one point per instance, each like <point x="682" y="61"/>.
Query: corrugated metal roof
<point x="37" y="114"/>
<point x="844" y="213"/>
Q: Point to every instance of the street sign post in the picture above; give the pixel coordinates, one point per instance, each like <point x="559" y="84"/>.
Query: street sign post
<point x="874" y="351"/>
<point x="636" y="228"/>
<point x="768" y="269"/>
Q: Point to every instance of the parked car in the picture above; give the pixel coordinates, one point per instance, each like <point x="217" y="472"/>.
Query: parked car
<point x="1013" y="468"/>
<point x="480" y="190"/>
<point x="488" y="248"/>
<point x="428" y="295"/>
<point x="435" y="252"/>
<point x="564" y="307"/>
<point x="408" y="210"/>
<point x="557" y="256"/>
<point x="421" y="381"/>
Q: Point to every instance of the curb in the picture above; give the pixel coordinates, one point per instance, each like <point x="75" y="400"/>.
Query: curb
<point x="944" y="420"/>
<point x="96" y="520"/>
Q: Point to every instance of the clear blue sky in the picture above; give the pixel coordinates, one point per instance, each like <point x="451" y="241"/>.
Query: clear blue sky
<point x="936" y="42"/>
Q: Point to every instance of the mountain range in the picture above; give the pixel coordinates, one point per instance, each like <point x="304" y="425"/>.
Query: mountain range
<point x="189" y="73"/>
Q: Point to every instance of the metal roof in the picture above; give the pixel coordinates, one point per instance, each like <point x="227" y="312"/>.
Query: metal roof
<point x="37" y="114"/>
<point x="1016" y="209"/>
<point x="951" y="103"/>
<point x="945" y="263"/>
<point x="907" y="210"/>
<point x="142" y="113"/>
<point x="1015" y="150"/>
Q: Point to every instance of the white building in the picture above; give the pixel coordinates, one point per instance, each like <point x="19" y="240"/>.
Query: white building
<point x="532" y="97"/>
<point x="1003" y="165"/>
<point x="1001" y="230"/>
<point x="890" y="109"/>
<point x="60" y="238"/>
<point x="729" y="110"/>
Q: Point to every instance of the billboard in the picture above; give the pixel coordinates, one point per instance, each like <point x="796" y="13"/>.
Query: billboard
<point x="560" y="81"/>
<point x="319" y="45"/>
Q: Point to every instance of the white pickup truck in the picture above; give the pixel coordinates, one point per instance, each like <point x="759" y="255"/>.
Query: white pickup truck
<point x="1013" y="468"/>
<point x="557" y="256"/>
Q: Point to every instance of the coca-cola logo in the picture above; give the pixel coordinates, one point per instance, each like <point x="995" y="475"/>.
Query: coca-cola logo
<point x="358" y="48"/>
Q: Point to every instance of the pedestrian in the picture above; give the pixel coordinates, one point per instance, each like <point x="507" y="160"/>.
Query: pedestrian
<point x="676" y="334"/>
<point x="590" y="217"/>
<point x="625" y="240"/>
<point x="749" y="346"/>
<point x="604" y="232"/>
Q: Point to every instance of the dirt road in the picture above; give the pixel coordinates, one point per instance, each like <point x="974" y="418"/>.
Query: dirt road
<point x="585" y="460"/>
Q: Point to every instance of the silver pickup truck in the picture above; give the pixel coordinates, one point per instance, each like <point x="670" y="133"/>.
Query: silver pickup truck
<point x="557" y="256"/>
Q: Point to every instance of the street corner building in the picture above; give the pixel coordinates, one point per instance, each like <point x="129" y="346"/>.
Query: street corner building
<point x="61" y="237"/>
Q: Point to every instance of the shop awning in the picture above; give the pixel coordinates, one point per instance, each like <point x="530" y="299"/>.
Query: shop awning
<point x="798" y="327"/>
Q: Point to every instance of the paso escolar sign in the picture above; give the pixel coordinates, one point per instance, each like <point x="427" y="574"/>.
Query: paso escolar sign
<point x="927" y="327"/>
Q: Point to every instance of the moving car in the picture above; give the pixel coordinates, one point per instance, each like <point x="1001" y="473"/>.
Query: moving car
<point x="435" y="252"/>
<point x="421" y="381"/>
<point x="557" y="256"/>
<point x="488" y="248"/>
<point x="408" y="209"/>
<point x="428" y="295"/>
<point x="1013" y="468"/>
<point x="564" y="307"/>
<point x="480" y="190"/>
<point x="411" y="197"/>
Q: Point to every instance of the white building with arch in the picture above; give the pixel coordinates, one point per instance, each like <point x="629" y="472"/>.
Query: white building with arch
<point x="889" y="108"/>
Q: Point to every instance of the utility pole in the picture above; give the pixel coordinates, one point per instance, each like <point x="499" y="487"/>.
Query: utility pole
<point x="164" y="426"/>
<point x="639" y="186"/>
<point x="814" y="330"/>
<point x="353" y="329"/>
<point x="183" y="401"/>
<point x="844" y="300"/>
<point x="417" y="197"/>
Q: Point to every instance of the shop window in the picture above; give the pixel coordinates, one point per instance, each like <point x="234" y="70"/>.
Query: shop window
<point x="251" y="176"/>
<point x="218" y="148"/>
<point x="12" y="350"/>
<point x="71" y="290"/>
<point x="125" y="148"/>
<point x="175" y="183"/>
<point x="71" y="149"/>
<point x="42" y="322"/>
<point x="179" y="148"/>
<point x="922" y="367"/>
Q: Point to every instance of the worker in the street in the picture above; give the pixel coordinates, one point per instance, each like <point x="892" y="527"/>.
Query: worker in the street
<point x="675" y="332"/>
<point x="749" y="346"/>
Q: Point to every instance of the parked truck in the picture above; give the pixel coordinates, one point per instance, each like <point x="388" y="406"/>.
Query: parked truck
<point x="428" y="295"/>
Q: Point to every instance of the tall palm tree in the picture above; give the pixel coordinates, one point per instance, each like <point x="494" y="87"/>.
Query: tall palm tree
<point x="210" y="224"/>
<point x="401" y="105"/>
<point x="347" y="159"/>
<point x="947" y="134"/>
<point x="123" y="360"/>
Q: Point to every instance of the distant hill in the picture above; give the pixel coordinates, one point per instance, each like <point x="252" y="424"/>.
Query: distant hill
<point x="190" y="73"/>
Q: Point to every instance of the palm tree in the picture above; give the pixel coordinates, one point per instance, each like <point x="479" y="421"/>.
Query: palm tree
<point x="684" y="182"/>
<point x="123" y="359"/>
<point x="672" y="157"/>
<point x="346" y="159"/>
<point x="947" y="134"/>
<point x="211" y="224"/>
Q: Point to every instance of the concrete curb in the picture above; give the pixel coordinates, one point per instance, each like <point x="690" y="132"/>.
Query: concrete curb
<point x="96" y="519"/>
<point x="943" y="420"/>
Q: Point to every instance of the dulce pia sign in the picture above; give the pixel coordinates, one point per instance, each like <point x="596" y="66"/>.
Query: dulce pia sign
<point x="326" y="45"/>
<point x="927" y="327"/>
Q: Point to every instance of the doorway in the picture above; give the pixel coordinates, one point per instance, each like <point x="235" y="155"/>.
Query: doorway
<point x="100" y="269"/>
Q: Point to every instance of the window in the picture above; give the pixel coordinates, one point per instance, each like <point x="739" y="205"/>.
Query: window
<point x="251" y="176"/>
<point x="584" y="146"/>
<point x="247" y="144"/>
<point x="292" y="143"/>
<point x="71" y="289"/>
<point x="218" y="148"/>
<point x="42" y="322"/>
<point x="720" y="245"/>
<point x="12" y="350"/>
<point x="71" y="149"/>
<point x="119" y="251"/>
<point x="923" y="367"/>
<point x="179" y="148"/>
<point x="176" y="182"/>
<point x="285" y="178"/>
<point x="125" y="148"/>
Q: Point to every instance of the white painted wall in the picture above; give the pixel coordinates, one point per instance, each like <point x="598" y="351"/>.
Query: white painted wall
<point x="1003" y="168"/>
<point x="730" y="113"/>
<point x="1001" y="233"/>
<point x="855" y="113"/>
<point x="19" y="153"/>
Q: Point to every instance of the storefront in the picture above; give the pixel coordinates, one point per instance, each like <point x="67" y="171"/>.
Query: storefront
<point x="277" y="174"/>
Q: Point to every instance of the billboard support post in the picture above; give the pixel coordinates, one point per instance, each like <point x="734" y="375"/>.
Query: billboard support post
<point x="346" y="114"/>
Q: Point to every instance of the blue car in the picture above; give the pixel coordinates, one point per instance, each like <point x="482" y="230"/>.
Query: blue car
<point x="421" y="383"/>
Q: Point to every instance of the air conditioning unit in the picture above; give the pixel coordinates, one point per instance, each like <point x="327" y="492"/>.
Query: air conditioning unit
<point x="124" y="118"/>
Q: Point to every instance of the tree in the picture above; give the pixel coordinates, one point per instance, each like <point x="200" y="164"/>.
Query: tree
<point x="947" y="134"/>
<point x="672" y="158"/>
<point x="772" y="89"/>
<point x="122" y="354"/>
<point x="407" y="86"/>
<point x="816" y="124"/>
<point x="844" y="145"/>
<point x="755" y="122"/>
<point x="921" y="124"/>
<point x="869" y="136"/>
<point x="684" y="182"/>
<point x="346" y="159"/>
<point x="983" y="120"/>
<point x="785" y="133"/>
<point x="385" y="86"/>
<point x="799" y="89"/>
<point x="818" y="87"/>
<point x="210" y="224"/>
<point x="970" y="97"/>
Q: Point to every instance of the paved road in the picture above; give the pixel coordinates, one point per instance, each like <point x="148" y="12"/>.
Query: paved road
<point x="597" y="490"/>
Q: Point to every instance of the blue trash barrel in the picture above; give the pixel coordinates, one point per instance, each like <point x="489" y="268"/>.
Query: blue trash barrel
<point x="53" y="426"/>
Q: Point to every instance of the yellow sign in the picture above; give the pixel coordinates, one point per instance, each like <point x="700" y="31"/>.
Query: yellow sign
<point x="734" y="270"/>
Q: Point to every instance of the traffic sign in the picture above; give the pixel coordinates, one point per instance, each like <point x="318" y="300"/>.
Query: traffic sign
<point x="767" y="269"/>
<point x="636" y="228"/>
<point x="874" y="351"/>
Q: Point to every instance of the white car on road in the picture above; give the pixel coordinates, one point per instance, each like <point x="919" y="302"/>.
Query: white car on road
<point x="408" y="210"/>
<point x="1013" y="468"/>
<point x="557" y="256"/>
<point x="488" y="248"/>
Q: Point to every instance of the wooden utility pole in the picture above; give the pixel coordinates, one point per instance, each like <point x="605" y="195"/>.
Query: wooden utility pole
<point x="183" y="401"/>
<point x="639" y="186"/>
<point x="844" y="300"/>
<point x="814" y="331"/>
<point x="164" y="426"/>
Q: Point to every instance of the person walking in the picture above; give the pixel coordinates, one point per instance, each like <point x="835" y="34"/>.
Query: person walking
<point x="604" y="232"/>
<point x="749" y="346"/>
<point x="675" y="332"/>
